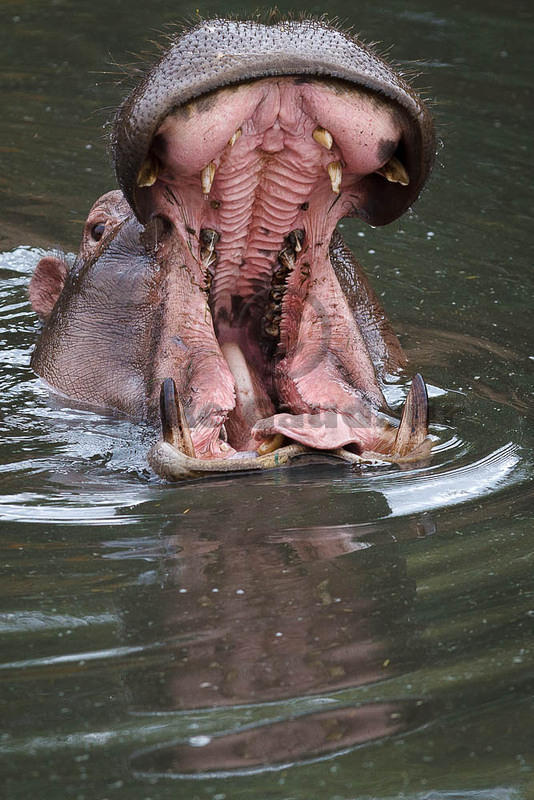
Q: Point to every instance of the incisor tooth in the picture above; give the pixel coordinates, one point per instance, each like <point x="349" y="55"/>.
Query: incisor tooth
<point x="206" y="177"/>
<point x="235" y="137"/>
<point x="270" y="445"/>
<point x="148" y="174"/>
<point x="394" y="172"/>
<point x="323" y="137"/>
<point x="335" y="174"/>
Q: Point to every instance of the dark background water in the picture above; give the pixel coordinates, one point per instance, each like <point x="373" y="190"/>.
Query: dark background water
<point x="307" y="633"/>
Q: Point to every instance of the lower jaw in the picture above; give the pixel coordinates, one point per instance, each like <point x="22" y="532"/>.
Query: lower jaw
<point x="173" y="464"/>
<point x="320" y="436"/>
<point x="303" y="383"/>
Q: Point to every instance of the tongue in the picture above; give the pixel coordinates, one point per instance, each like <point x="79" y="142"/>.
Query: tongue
<point x="325" y="430"/>
<point x="328" y="430"/>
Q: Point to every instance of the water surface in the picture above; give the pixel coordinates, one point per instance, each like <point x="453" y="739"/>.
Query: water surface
<point x="307" y="633"/>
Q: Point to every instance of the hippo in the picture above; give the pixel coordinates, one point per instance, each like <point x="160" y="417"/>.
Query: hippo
<point x="212" y="294"/>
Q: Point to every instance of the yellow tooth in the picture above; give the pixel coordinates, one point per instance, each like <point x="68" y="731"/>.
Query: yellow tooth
<point x="235" y="137"/>
<point x="323" y="137"/>
<point x="208" y="240"/>
<point x="395" y="172"/>
<point x="148" y="174"/>
<point x="270" y="445"/>
<point x="206" y="177"/>
<point x="335" y="174"/>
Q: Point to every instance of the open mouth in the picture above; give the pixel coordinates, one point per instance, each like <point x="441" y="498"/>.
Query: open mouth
<point x="246" y="184"/>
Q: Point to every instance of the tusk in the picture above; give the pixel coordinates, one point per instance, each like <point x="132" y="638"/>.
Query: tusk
<point x="394" y="172"/>
<point x="335" y="173"/>
<point x="173" y="421"/>
<point x="413" y="428"/>
<point x="148" y="174"/>
<point x="235" y="137"/>
<point x="206" y="177"/>
<point x="323" y="137"/>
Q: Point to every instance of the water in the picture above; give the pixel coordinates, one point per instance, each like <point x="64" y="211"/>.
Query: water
<point x="307" y="633"/>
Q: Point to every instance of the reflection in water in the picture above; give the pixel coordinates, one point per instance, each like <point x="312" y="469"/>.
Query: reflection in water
<point x="276" y="624"/>
<point x="255" y="621"/>
<point x="278" y="744"/>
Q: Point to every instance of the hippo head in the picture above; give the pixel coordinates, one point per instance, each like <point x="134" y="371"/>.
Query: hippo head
<point x="220" y="276"/>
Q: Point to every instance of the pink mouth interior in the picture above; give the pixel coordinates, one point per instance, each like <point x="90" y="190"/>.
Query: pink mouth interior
<point x="258" y="334"/>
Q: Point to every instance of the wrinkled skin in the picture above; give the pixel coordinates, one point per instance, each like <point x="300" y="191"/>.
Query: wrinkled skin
<point x="218" y="264"/>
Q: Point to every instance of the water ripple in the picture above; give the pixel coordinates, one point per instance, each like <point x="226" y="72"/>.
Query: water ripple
<point x="467" y="482"/>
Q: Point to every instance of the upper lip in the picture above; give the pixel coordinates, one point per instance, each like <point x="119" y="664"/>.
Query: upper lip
<point x="231" y="52"/>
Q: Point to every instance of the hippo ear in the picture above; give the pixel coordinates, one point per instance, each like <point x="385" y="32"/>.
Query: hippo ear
<point x="46" y="284"/>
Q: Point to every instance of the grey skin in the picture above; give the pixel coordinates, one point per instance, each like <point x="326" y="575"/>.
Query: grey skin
<point x="110" y="321"/>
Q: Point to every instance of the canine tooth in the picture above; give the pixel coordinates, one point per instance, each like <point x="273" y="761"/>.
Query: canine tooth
<point x="175" y="428"/>
<point x="206" y="177"/>
<point x="270" y="445"/>
<point x="235" y="137"/>
<point x="335" y="173"/>
<point x="148" y="174"/>
<point x="395" y="172"/>
<point x="413" y="428"/>
<point x="323" y="137"/>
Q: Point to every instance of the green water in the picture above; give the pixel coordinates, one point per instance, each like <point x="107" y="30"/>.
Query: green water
<point x="307" y="633"/>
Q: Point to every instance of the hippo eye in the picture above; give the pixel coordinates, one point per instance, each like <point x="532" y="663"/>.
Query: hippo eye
<point x="97" y="231"/>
